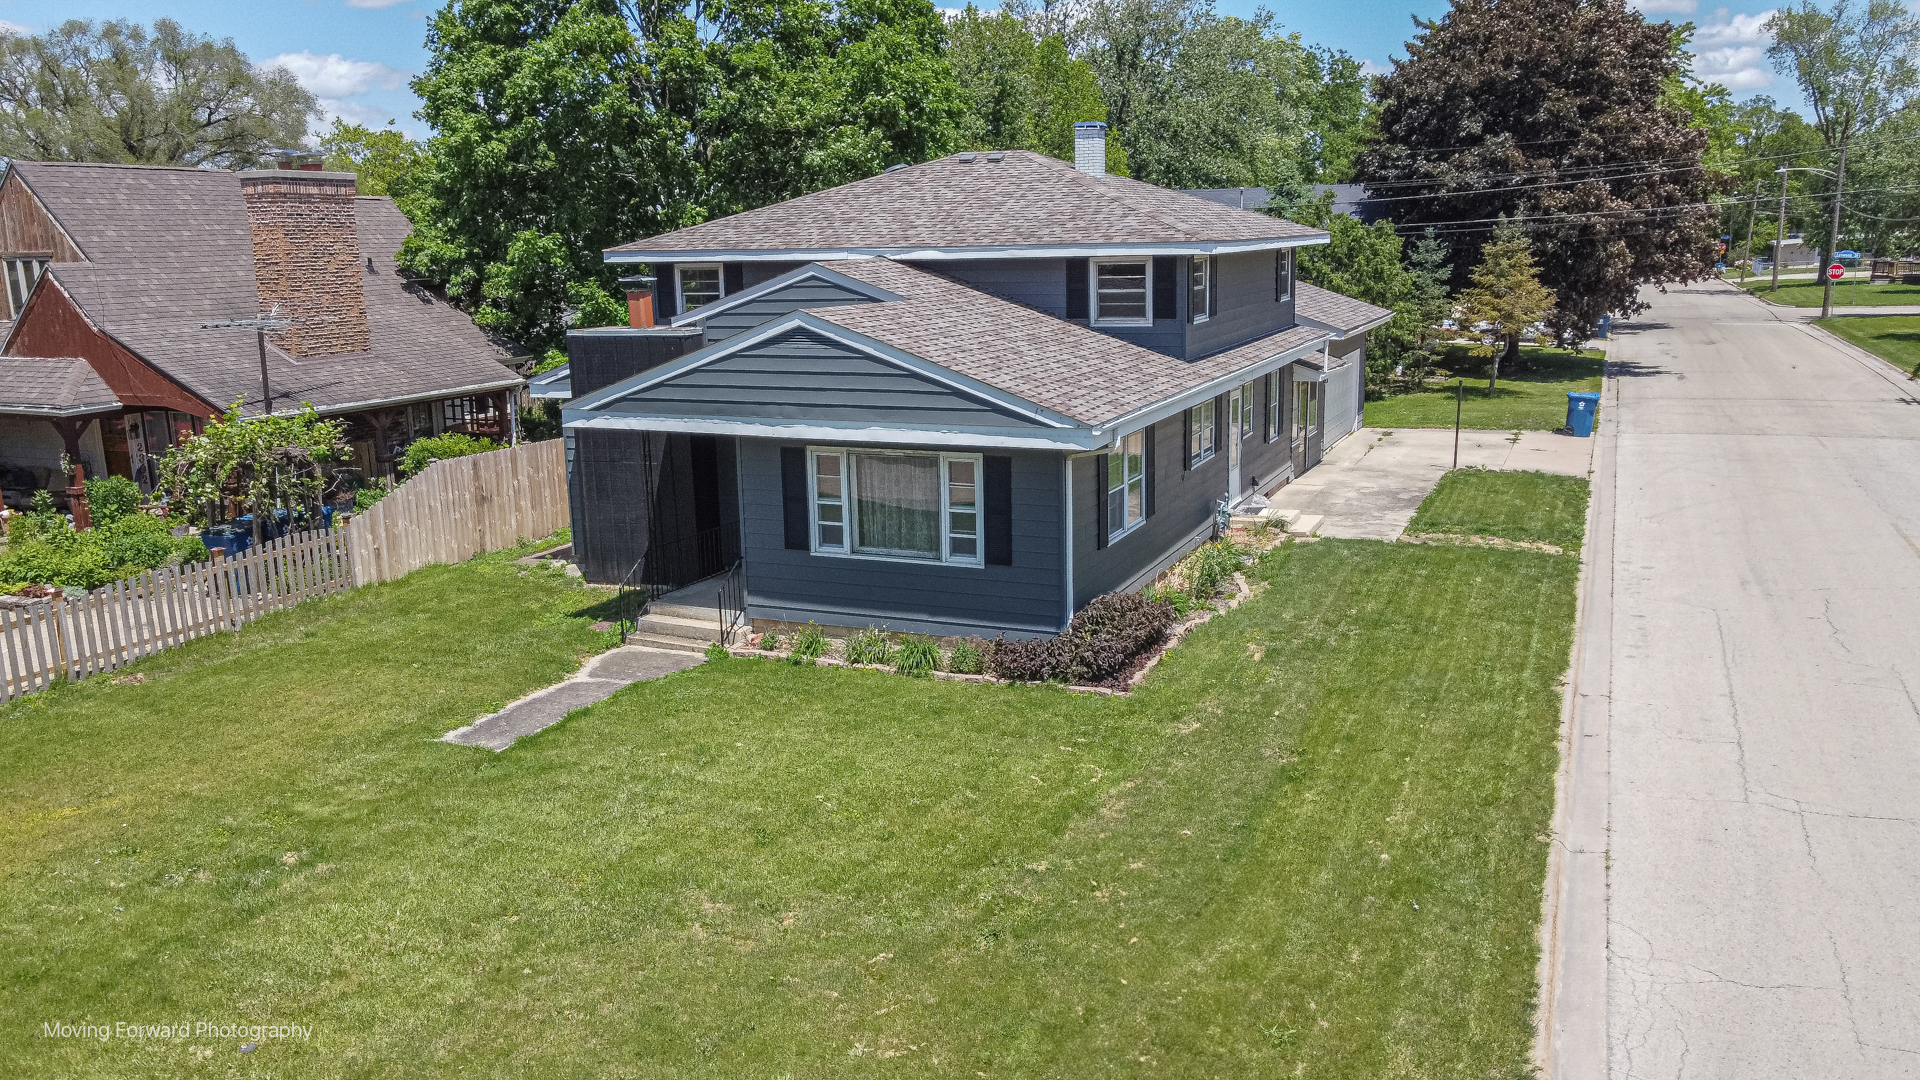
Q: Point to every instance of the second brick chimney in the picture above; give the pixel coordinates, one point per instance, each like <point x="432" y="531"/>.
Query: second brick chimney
<point x="306" y="258"/>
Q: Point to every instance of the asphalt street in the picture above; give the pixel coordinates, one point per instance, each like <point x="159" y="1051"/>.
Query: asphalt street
<point x="1736" y="889"/>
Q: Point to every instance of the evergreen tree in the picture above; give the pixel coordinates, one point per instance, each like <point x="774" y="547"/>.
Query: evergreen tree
<point x="1506" y="293"/>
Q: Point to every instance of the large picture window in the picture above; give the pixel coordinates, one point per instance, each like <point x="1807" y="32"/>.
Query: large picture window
<point x="1121" y="290"/>
<point x="1199" y="287"/>
<point x="700" y="284"/>
<point x="897" y="504"/>
<point x="1202" y="426"/>
<point x="1127" y="485"/>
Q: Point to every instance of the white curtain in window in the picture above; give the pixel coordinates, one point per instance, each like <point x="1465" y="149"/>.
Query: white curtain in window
<point x="897" y="497"/>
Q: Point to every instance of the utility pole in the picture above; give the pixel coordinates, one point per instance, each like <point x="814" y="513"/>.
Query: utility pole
<point x="1833" y="244"/>
<point x="1780" y="244"/>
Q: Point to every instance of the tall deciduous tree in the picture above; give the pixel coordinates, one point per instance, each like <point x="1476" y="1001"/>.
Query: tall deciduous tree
<point x="1506" y="293"/>
<point x="115" y="92"/>
<point x="1365" y="262"/>
<point x="1552" y="113"/>
<point x="566" y="127"/>
<point x="1025" y="92"/>
<point x="385" y="161"/>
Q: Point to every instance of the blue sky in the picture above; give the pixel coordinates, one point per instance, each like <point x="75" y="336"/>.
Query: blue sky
<point x="356" y="55"/>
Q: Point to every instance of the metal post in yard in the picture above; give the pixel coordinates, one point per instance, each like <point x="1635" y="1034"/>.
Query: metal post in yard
<point x="1833" y="242"/>
<point x="1459" y="391"/>
<point x="1780" y="244"/>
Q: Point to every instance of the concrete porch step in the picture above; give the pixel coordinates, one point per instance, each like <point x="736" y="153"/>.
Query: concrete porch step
<point x="662" y="641"/>
<point x="703" y="628"/>
<point x="1303" y="524"/>
<point x="669" y="608"/>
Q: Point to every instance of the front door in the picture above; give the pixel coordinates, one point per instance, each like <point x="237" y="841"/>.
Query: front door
<point x="1231" y="429"/>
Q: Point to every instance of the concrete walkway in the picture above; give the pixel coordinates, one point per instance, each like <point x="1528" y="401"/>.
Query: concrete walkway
<point x="595" y="682"/>
<point x="1370" y="483"/>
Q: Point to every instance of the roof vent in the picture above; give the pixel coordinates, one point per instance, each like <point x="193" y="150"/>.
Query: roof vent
<point x="967" y="159"/>
<point x="997" y="157"/>
<point x="893" y="168"/>
<point x="1090" y="147"/>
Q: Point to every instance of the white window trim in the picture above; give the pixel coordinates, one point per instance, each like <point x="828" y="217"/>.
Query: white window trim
<point x="1245" y="419"/>
<point x="679" y="287"/>
<point x="1274" y="414"/>
<point x="1286" y="270"/>
<point x="1193" y="425"/>
<point x="1093" y="291"/>
<point x="16" y="270"/>
<point x="1206" y="291"/>
<point x="849" y="508"/>
<point x="1106" y="485"/>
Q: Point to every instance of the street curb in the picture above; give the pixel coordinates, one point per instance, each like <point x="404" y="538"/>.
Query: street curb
<point x="1879" y="365"/>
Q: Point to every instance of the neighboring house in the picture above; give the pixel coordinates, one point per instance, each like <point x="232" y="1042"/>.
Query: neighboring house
<point x="1348" y="199"/>
<point x="117" y="273"/>
<point x="965" y="396"/>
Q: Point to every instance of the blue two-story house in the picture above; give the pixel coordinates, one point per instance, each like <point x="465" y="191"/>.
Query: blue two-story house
<point x="961" y="397"/>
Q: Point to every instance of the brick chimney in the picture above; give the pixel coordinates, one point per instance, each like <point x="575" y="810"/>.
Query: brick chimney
<point x="306" y="258"/>
<point x="639" y="301"/>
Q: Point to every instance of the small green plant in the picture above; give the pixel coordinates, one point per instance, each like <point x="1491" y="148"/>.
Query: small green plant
<point x="110" y="498"/>
<point x="769" y="641"/>
<point x="421" y="453"/>
<point x="809" y="645"/>
<point x="1183" y="604"/>
<point x="367" y="496"/>
<point x="966" y="659"/>
<point x="917" y="656"/>
<point x="717" y="651"/>
<point x="869" y="646"/>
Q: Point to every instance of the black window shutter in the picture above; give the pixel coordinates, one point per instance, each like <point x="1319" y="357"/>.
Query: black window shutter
<point x="793" y="496"/>
<point x="1149" y="440"/>
<point x="1076" y="288"/>
<point x="666" y="292"/>
<point x="1100" y="501"/>
<point x="1166" y="282"/>
<point x="1213" y="287"/>
<point x="1186" y="439"/>
<point x="735" y="275"/>
<point x="996" y="475"/>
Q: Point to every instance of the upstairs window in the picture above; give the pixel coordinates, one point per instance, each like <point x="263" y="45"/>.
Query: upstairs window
<point x="1202" y="428"/>
<point x="897" y="504"/>
<point x="1199" y="288"/>
<point x="700" y="284"/>
<point x="1282" y="275"/>
<point x="1121" y="289"/>
<point x="1127" y="485"/>
<point x="21" y="274"/>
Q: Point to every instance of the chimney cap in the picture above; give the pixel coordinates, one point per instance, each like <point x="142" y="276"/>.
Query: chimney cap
<point x="638" y="281"/>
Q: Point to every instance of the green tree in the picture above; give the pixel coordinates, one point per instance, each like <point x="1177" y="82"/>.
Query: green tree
<point x="1365" y="262"/>
<point x="562" y="128"/>
<point x="386" y="162"/>
<point x="268" y="463"/>
<point x="1547" y="112"/>
<point x="1506" y="293"/>
<point x="1025" y="93"/>
<point x="1339" y="113"/>
<point x="115" y="92"/>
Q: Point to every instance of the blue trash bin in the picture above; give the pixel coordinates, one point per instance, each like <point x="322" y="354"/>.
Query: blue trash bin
<point x="1580" y="410"/>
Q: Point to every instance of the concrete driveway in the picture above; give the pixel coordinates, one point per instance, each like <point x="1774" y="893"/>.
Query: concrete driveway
<point x="1370" y="483"/>
<point x="1736" y="875"/>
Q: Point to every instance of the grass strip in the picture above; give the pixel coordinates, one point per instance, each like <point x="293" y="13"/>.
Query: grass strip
<point x="1533" y="400"/>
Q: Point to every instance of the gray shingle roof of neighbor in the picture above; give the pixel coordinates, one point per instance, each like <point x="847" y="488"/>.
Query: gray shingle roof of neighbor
<point x="1337" y="312"/>
<point x="1024" y="200"/>
<point x="152" y="287"/>
<point x="1068" y="368"/>
<point x="52" y="386"/>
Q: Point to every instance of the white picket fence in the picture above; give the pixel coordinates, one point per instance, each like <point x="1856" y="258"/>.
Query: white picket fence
<point x="116" y="624"/>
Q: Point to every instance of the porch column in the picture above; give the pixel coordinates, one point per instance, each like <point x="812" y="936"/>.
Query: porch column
<point x="384" y="423"/>
<point x="72" y="430"/>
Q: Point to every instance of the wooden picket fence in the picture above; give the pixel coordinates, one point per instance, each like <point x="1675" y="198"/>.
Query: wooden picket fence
<point x="116" y="624"/>
<point x="456" y="509"/>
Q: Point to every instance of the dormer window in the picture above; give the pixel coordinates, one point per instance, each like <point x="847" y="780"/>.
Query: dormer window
<point x="700" y="284"/>
<point x="1121" y="288"/>
<point x="21" y="275"/>
<point x="1200" y="288"/>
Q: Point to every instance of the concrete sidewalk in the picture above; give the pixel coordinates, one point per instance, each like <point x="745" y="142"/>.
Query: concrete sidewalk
<point x="594" y="682"/>
<point x="1371" y="482"/>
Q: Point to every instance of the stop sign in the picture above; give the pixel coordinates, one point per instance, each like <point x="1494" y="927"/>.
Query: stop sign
<point x="1836" y="271"/>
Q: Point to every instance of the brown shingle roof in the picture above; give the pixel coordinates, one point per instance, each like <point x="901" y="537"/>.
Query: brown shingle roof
<point x="52" y="386"/>
<point x="1081" y="373"/>
<point x="169" y="249"/>
<point x="1335" y="311"/>
<point x="1026" y="200"/>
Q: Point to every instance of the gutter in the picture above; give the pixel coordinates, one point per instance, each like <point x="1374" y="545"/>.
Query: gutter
<point x="948" y="254"/>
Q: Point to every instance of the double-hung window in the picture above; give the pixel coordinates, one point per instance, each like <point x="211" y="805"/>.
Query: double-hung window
<point x="1282" y="275"/>
<point x="700" y="284"/>
<point x="897" y="504"/>
<point x="1202" y="426"/>
<point x="1127" y="485"/>
<point x="1199" y="288"/>
<point x="1244" y="422"/>
<point x="1122" y="289"/>
<point x="21" y="274"/>
<point x="1273" y="406"/>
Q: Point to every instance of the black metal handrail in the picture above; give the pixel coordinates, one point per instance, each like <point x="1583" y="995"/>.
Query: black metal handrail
<point x="733" y="602"/>
<point x="679" y="563"/>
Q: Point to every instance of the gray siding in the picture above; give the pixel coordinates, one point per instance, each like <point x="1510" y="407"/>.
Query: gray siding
<point x="1247" y="309"/>
<point x="1262" y="463"/>
<point x="801" y="375"/>
<point x="1183" y="507"/>
<point x="1022" y="600"/>
<point x="807" y="293"/>
<point x="759" y="273"/>
<point x="1041" y="284"/>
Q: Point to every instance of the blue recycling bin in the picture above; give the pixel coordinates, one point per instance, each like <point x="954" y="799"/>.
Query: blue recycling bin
<point x="230" y="539"/>
<point x="1580" y="410"/>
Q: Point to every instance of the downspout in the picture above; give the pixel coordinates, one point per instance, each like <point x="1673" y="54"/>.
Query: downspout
<point x="1066" y="533"/>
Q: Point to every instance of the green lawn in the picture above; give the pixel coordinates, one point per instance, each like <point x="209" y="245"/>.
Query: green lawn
<point x="1530" y="506"/>
<point x="1893" y="338"/>
<point x="1533" y="400"/>
<point x="1849" y="293"/>
<point x="1313" y="844"/>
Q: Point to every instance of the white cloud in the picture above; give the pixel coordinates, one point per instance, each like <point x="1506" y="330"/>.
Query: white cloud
<point x="1664" y="7"/>
<point x="1732" y="50"/>
<point x="1369" y="68"/>
<point x="335" y="76"/>
<point x="373" y="3"/>
<point x="11" y="27"/>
